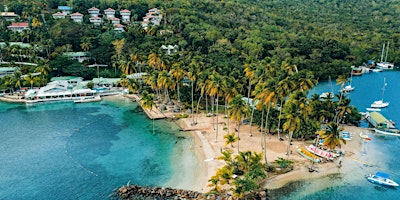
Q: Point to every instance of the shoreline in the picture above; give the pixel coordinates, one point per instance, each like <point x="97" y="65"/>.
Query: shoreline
<point x="206" y="147"/>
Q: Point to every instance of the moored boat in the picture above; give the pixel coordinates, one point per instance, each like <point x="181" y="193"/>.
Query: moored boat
<point x="364" y="136"/>
<point x="322" y="153"/>
<point x="306" y="154"/>
<point x="381" y="179"/>
<point x="381" y="103"/>
<point x="393" y="132"/>
<point x="374" y="109"/>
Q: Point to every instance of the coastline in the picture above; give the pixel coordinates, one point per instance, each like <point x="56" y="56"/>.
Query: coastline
<point x="206" y="148"/>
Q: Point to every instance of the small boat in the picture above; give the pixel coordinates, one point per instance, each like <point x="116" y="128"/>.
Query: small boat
<point x="377" y="70"/>
<point x="325" y="95"/>
<point x="347" y="88"/>
<point x="308" y="155"/>
<point x="374" y="109"/>
<point x="381" y="103"/>
<point x="322" y="153"/>
<point x="345" y="135"/>
<point x="393" y="132"/>
<point x="383" y="64"/>
<point x="364" y="136"/>
<point x="88" y="99"/>
<point x="381" y="179"/>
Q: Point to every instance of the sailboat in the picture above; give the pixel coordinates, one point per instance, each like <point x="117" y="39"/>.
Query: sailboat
<point x="381" y="103"/>
<point x="348" y="88"/>
<point x="325" y="95"/>
<point x="385" y="64"/>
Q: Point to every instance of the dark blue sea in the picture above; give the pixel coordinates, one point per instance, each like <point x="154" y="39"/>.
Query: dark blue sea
<point x="379" y="154"/>
<point x="85" y="151"/>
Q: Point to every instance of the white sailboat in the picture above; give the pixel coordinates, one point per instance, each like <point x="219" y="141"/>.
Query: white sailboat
<point x="384" y="64"/>
<point x="381" y="103"/>
<point x="348" y="88"/>
<point x="326" y="95"/>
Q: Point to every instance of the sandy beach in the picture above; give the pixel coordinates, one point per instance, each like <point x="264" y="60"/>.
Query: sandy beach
<point x="208" y="146"/>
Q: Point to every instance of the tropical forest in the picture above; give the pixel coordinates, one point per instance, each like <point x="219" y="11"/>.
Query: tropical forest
<point x="271" y="51"/>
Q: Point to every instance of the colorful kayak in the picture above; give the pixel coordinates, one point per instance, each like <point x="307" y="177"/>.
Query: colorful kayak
<point x="308" y="155"/>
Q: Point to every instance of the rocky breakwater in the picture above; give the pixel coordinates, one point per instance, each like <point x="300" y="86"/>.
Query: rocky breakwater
<point x="139" y="192"/>
<point x="159" y="193"/>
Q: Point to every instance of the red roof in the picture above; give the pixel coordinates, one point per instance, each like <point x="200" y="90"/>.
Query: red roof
<point x="76" y="14"/>
<point x="125" y="11"/>
<point x="93" y="8"/>
<point x="19" y="24"/>
<point x="119" y="25"/>
<point x="113" y="19"/>
<point x="109" y="9"/>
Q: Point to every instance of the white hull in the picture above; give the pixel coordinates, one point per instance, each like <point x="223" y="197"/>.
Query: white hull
<point x="379" y="104"/>
<point x="348" y="88"/>
<point x="385" y="65"/>
<point x="394" y="132"/>
<point x="381" y="180"/>
<point x="373" y="109"/>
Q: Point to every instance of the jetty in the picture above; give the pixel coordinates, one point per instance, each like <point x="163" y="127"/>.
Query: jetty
<point x="154" y="113"/>
<point x="377" y="120"/>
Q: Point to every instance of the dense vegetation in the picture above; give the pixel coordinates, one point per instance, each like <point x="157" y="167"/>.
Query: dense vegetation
<point x="273" y="51"/>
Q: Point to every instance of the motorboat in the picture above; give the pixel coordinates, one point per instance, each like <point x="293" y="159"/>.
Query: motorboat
<point x="364" y="136"/>
<point x="381" y="179"/>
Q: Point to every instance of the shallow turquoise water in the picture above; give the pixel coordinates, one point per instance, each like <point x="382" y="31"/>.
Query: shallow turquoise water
<point x="81" y="151"/>
<point x="381" y="152"/>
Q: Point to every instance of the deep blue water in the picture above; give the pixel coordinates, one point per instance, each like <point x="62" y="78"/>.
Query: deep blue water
<point x="381" y="153"/>
<point x="81" y="151"/>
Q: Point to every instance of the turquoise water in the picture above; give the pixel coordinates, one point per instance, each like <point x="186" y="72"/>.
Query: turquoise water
<point x="82" y="151"/>
<point x="381" y="152"/>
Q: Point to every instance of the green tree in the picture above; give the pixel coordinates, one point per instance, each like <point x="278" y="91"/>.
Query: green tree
<point x="237" y="110"/>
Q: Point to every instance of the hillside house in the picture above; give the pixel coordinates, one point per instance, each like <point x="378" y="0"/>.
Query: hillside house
<point x="126" y="16"/>
<point x="95" y="20"/>
<point x="119" y="28"/>
<point x="18" y="26"/>
<point x="59" y="15"/>
<point x="109" y="12"/>
<point x="94" y="12"/>
<point x="65" y="9"/>
<point x="77" y="17"/>
<point x="9" y="16"/>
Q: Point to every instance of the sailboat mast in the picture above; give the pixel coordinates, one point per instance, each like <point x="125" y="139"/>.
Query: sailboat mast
<point x="383" y="50"/>
<point x="387" y="51"/>
<point x="383" y="88"/>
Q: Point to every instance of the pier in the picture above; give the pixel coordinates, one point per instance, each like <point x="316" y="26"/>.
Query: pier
<point x="154" y="113"/>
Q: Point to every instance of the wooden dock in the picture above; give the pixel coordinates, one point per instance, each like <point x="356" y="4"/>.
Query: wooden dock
<point x="154" y="113"/>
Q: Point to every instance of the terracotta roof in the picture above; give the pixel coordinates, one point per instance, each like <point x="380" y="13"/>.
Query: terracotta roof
<point x="125" y="11"/>
<point x="76" y="14"/>
<point x="19" y="24"/>
<point x="93" y="8"/>
<point x="109" y="9"/>
<point x="113" y="19"/>
<point x="119" y="25"/>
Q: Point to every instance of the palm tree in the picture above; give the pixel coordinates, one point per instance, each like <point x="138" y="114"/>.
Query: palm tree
<point x="292" y="120"/>
<point x="214" y="89"/>
<point x="230" y="139"/>
<point x="332" y="137"/>
<point x="178" y="73"/>
<point x="147" y="102"/>
<point x="31" y="80"/>
<point x="237" y="110"/>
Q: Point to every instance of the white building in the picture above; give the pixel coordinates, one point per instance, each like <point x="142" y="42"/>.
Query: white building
<point x="95" y="20"/>
<point x="110" y="13"/>
<point x="126" y="16"/>
<point x="77" y="17"/>
<point x="94" y="12"/>
<point x="18" y="26"/>
<point x="59" y="15"/>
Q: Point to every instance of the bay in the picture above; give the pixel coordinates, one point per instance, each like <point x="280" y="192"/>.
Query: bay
<point x="380" y="153"/>
<point x="83" y="151"/>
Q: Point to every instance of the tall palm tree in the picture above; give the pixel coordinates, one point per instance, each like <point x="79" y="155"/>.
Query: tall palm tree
<point x="214" y="89"/>
<point x="178" y="73"/>
<point x="332" y="137"/>
<point x="237" y="110"/>
<point x="31" y="80"/>
<point x="147" y="102"/>
<point x="292" y="120"/>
